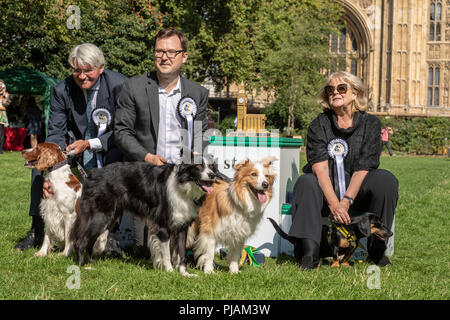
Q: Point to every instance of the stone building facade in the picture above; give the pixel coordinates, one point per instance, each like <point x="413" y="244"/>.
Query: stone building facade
<point x="401" y="49"/>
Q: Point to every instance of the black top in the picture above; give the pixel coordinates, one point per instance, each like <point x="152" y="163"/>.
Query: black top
<point x="363" y="140"/>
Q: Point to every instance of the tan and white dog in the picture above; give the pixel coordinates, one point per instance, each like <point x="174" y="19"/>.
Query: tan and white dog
<point x="59" y="210"/>
<point x="231" y="213"/>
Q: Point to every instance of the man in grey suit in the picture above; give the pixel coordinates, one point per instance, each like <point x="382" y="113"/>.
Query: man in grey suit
<point x="74" y="99"/>
<point x="148" y="126"/>
<point x="148" y="123"/>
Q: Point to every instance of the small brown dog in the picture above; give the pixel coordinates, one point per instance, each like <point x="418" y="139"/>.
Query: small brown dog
<point x="343" y="239"/>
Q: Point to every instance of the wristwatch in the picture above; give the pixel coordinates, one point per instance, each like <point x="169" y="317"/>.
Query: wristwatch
<point x="349" y="199"/>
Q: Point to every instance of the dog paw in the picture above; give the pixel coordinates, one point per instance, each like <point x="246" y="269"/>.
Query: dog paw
<point x="168" y="269"/>
<point x="345" y="264"/>
<point x="234" y="270"/>
<point x="184" y="273"/>
<point x="208" y="270"/>
<point x="40" y="254"/>
<point x="189" y="275"/>
<point x="335" y="265"/>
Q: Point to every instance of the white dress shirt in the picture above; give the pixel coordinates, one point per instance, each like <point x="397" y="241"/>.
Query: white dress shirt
<point x="95" y="144"/>
<point x="169" y="136"/>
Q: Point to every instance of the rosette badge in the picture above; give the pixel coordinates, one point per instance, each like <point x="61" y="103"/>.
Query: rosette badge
<point x="101" y="117"/>
<point x="338" y="149"/>
<point x="187" y="108"/>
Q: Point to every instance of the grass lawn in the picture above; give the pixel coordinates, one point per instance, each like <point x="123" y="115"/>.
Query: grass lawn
<point x="420" y="267"/>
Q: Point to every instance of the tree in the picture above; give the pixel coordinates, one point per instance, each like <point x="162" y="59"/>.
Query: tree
<point x="292" y="69"/>
<point x="35" y="33"/>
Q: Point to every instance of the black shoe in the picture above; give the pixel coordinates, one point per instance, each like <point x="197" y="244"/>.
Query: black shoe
<point x="381" y="262"/>
<point x="32" y="240"/>
<point x="112" y="248"/>
<point x="309" y="263"/>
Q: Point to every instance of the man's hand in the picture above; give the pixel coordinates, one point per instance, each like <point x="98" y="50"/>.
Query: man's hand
<point x="155" y="159"/>
<point x="48" y="190"/>
<point x="78" y="146"/>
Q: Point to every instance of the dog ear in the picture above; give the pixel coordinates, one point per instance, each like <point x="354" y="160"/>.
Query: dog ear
<point x="46" y="158"/>
<point x="268" y="161"/>
<point x="239" y="166"/>
<point x="364" y="225"/>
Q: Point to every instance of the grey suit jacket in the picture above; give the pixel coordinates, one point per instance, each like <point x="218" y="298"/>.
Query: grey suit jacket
<point x="68" y="109"/>
<point x="137" y="115"/>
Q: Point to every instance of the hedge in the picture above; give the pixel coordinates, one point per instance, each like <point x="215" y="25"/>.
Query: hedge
<point x="419" y="135"/>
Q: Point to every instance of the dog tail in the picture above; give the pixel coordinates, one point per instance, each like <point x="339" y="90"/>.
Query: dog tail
<point x="282" y="234"/>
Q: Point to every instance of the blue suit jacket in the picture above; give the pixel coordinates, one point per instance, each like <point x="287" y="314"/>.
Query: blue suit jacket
<point x="68" y="111"/>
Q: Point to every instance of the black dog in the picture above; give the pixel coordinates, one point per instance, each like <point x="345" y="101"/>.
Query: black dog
<point x="342" y="239"/>
<point x="167" y="196"/>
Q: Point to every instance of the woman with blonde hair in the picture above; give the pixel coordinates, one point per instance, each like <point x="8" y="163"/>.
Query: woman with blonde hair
<point x="341" y="175"/>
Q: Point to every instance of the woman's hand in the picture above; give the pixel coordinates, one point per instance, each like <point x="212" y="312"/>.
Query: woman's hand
<point x="339" y="211"/>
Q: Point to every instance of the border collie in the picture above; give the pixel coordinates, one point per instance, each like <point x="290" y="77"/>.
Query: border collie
<point x="167" y="197"/>
<point x="231" y="213"/>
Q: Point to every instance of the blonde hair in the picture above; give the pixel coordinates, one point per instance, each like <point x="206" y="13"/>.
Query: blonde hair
<point x="87" y="53"/>
<point x="356" y="85"/>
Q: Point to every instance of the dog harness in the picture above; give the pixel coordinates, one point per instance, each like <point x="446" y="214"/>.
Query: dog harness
<point x="350" y="236"/>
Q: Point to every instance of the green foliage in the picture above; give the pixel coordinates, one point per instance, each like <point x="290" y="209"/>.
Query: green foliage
<point x="36" y="34"/>
<point x="230" y="41"/>
<point x="291" y="68"/>
<point x="419" y="135"/>
<point x="226" y="124"/>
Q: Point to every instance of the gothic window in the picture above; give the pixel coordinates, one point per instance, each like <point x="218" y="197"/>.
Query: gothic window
<point x="435" y="20"/>
<point x="433" y="86"/>
<point x="344" y="48"/>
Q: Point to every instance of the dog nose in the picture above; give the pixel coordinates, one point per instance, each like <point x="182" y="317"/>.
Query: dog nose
<point x="265" y="184"/>
<point x="211" y="175"/>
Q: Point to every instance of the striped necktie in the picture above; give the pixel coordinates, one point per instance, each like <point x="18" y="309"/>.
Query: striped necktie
<point x="89" y="157"/>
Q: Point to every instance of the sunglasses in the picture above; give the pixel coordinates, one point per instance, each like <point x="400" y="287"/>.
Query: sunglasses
<point x="341" y="89"/>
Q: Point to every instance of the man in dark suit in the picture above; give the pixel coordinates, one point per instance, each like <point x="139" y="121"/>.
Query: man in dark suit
<point x="148" y="123"/>
<point x="90" y="87"/>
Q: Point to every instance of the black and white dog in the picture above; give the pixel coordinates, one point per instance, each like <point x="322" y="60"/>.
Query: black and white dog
<point x="168" y="197"/>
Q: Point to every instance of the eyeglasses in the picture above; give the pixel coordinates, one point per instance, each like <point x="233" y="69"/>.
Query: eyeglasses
<point x="87" y="72"/>
<point x="169" y="53"/>
<point x="341" y="89"/>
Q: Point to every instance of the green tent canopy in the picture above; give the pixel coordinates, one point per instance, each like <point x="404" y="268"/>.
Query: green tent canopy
<point x="24" y="80"/>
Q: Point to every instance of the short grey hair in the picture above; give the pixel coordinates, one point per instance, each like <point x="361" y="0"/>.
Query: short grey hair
<point x="87" y="53"/>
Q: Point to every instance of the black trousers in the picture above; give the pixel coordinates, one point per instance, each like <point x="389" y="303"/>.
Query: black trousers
<point x="2" y="137"/>
<point x="378" y="194"/>
<point x="388" y="146"/>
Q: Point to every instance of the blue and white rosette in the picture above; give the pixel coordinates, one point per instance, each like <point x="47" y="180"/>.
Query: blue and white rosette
<point x="102" y="119"/>
<point x="338" y="149"/>
<point x="187" y="108"/>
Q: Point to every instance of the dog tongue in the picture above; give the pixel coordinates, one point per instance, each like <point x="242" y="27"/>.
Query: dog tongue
<point x="208" y="189"/>
<point x="262" y="197"/>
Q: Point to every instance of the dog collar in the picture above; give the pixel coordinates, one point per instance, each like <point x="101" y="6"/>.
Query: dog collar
<point x="58" y="165"/>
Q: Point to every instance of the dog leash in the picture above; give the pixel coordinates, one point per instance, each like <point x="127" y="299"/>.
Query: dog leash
<point x="71" y="155"/>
